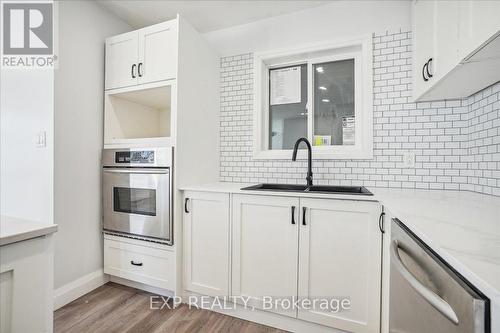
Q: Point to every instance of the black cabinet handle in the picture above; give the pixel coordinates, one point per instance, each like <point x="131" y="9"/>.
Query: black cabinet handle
<point x="139" y="69"/>
<point x="424" y="70"/>
<point x="133" y="71"/>
<point x="381" y="222"/>
<point x="136" y="263"/>
<point x="429" y="75"/>
<point x="304" y="209"/>
<point x="293" y="214"/>
<point x="186" y="205"/>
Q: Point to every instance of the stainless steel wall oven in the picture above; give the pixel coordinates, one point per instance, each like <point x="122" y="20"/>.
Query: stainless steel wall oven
<point x="137" y="193"/>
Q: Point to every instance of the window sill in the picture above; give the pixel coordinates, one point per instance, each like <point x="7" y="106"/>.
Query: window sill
<point x="317" y="154"/>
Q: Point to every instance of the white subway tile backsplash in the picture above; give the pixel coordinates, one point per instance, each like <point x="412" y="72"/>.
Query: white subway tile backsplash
<point x="456" y="142"/>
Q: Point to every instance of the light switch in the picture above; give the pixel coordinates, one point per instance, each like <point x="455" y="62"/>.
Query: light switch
<point x="41" y="140"/>
<point x="409" y="159"/>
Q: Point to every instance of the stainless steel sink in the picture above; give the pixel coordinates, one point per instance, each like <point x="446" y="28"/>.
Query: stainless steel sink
<point x="356" y="190"/>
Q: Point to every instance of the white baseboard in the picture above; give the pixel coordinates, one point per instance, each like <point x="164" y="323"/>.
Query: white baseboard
<point x="79" y="287"/>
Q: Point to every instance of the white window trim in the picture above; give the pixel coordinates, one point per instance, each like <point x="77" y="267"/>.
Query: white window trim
<point x="363" y="149"/>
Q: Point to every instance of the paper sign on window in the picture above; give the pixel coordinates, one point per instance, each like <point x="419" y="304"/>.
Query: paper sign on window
<point x="285" y="85"/>
<point x="348" y="130"/>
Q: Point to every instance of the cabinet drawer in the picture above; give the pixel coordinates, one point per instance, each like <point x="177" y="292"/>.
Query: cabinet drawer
<point x="144" y="264"/>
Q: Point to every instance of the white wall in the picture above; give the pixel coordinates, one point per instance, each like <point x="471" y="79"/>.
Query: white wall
<point x="26" y="179"/>
<point x="83" y="26"/>
<point x="336" y="20"/>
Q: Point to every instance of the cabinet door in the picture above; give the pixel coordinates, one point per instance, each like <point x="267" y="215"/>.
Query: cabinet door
<point x="121" y="61"/>
<point x="446" y="26"/>
<point x="423" y="43"/>
<point x="158" y="52"/>
<point x="265" y="249"/>
<point x="479" y="20"/>
<point x="206" y="243"/>
<point x="340" y="258"/>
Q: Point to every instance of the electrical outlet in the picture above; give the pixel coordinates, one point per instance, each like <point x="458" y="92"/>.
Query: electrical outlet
<point x="41" y="140"/>
<point x="409" y="159"/>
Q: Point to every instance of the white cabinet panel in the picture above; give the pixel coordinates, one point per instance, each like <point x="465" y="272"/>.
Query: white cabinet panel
<point x="445" y="38"/>
<point x="121" y="60"/>
<point x="264" y="248"/>
<point x="448" y="32"/>
<point x="148" y="263"/>
<point x="423" y="41"/>
<point x="26" y="286"/>
<point x="479" y="20"/>
<point x="340" y="257"/>
<point x="206" y="243"/>
<point x="158" y="52"/>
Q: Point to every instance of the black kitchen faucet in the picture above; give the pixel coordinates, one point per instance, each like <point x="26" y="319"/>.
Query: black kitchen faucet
<point x="309" y="177"/>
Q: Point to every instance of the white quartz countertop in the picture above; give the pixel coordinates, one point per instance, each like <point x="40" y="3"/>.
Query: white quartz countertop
<point x="462" y="227"/>
<point x="13" y="229"/>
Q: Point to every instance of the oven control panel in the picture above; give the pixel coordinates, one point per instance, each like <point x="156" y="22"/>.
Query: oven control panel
<point x="142" y="157"/>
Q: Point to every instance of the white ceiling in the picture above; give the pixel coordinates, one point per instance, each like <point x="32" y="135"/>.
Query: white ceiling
<point x="203" y="15"/>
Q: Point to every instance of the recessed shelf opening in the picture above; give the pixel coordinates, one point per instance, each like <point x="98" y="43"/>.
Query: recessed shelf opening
<point x="139" y="114"/>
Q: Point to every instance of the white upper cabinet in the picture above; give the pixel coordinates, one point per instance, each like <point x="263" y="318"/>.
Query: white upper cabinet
<point x="206" y="243"/>
<point x="478" y="21"/>
<point x="121" y="60"/>
<point x="265" y="248"/>
<point x="143" y="56"/>
<point x="340" y="258"/>
<point x="158" y="52"/>
<point x="445" y="35"/>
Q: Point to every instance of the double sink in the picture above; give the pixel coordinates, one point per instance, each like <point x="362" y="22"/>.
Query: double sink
<point x="309" y="188"/>
<point x="356" y="190"/>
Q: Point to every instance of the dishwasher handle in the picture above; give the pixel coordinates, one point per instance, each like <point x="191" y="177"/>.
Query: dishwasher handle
<point x="437" y="302"/>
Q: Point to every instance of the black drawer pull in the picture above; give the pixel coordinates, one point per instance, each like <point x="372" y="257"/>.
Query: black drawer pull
<point x="133" y="71"/>
<point x="186" y="205"/>
<point x="136" y="263"/>
<point x="139" y="69"/>
<point x="293" y="214"/>
<point x="424" y="70"/>
<point x="304" y="209"/>
<point x="429" y="75"/>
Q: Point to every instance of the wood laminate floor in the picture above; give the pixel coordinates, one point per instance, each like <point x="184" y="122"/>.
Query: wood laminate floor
<point x="116" y="308"/>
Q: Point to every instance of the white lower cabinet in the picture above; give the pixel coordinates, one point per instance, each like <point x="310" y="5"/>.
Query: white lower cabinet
<point x="340" y="259"/>
<point x="206" y="243"/>
<point x="139" y="261"/>
<point x="26" y="286"/>
<point x="264" y="249"/>
<point x="310" y="249"/>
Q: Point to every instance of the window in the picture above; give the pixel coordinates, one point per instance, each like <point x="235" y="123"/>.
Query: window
<point x="322" y="93"/>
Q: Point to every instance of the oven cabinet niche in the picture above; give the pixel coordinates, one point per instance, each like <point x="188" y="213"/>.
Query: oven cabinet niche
<point x="138" y="116"/>
<point x="206" y="240"/>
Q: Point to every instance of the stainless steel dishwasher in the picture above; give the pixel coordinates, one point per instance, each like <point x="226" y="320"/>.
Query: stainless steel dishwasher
<point x="427" y="294"/>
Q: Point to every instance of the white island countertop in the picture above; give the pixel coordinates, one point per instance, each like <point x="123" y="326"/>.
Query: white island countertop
<point x="13" y="229"/>
<point x="462" y="227"/>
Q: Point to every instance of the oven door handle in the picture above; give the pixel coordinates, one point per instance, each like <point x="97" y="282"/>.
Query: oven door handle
<point x="137" y="170"/>
<point x="437" y="302"/>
